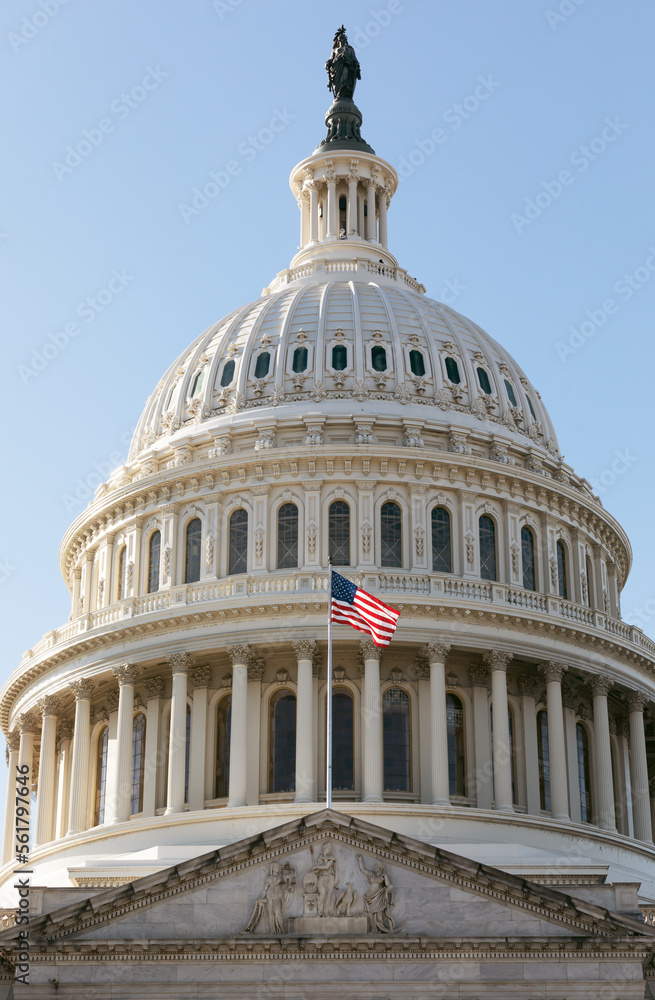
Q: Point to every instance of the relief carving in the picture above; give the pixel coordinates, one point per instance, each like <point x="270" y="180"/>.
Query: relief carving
<point x="378" y="898"/>
<point x="278" y="889"/>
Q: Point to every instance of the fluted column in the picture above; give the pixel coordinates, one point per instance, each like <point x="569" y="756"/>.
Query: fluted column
<point x="497" y="661"/>
<point x="479" y="777"/>
<point x="352" y="198"/>
<point x="528" y="688"/>
<point x="371" y="228"/>
<point x="200" y="678"/>
<point x="331" y="205"/>
<point x="639" y="768"/>
<point x="28" y="727"/>
<point x="305" y="775"/>
<point x="45" y="799"/>
<point x="559" y="794"/>
<point x="13" y="743"/>
<point x="240" y="655"/>
<point x="77" y="812"/>
<point x="436" y="653"/>
<point x="605" y="815"/>
<point x="121" y="793"/>
<point x="313" y="212"/>
<point x="372" y="747"/>
<point x="65" y="743"/>
<point x="382" y="207"/>
<point x="179" y="664"/>
<point x="154" y="691"/>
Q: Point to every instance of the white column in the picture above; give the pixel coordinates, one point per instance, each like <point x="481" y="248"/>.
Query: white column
<point x="77" y="812"/>
<point x="179" y="664"/>
<point x="372" y="747"/>
<point x="112" y="699"/>
<point x="639" y="768"/>
<point x="331" y="205"/>
<point x="559" y="793"/>
<point x="497" y="661"/>
<point x="240" y="655"/>
<point x="605" y="816"/>
<point x="528" y="685"/>
<point x="436" y="654"/>
<point x="88" y="582"/>
<point x="382" y="205"/>
<point x="305" y="773"/>
<point x="200" y="678"/>
<point x="77" y="581"/>
<point x="65" y="738"/>
<point x="13" y="742"/>
<point x="479" y="779"/>
<point x="254" y="713"/>
<point x="303" y="205"/>
<point x="28" y="727"/>
<point x="569" y="703"/>
<point x="45" y="799"/>
<point x="154" y="691"/>
<point x="352" y="198"/>
<point x="121" y="793"/>
<point x="313" y="212"/>
<point x="371" y="228"/>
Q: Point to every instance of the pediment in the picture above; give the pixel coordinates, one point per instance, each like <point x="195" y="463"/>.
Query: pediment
<point x="328" y="875"/>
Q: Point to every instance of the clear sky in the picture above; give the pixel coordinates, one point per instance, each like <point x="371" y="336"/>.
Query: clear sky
<point x="113" y="113"/>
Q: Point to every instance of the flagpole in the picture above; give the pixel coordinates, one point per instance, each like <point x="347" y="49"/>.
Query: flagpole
<point x="328" y="774"/>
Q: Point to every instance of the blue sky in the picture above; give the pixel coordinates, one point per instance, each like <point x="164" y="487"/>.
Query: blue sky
<point x="549" y="103"/>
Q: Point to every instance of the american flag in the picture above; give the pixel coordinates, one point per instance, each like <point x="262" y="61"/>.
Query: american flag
<point x="350" y="605"/>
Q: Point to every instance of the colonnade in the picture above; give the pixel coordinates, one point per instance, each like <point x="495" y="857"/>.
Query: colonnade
<point x="64" y="800"/>
<point x="366" y="199"/>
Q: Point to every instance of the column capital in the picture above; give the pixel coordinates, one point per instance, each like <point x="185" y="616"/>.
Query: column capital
<point x="528" y="685"/>
<point x="422" y="670"/>
<point x="112" y="700"/>
<point x="479" y="676"/>
<point x="553" y="671"/>
<point x="497" y="659"/>
<point x="304" y="648"/>
<point x="49" y="704"/>
<point x="28" y="723"/>
<point x="64" y="731"/>
<point x="155" y="686"/>
<point x="600" y="685"/>
<point x="126" y="673"/>
<point x="256" y="671"/>
<point x="179" y="662"/>
<point x="570" y="696"/>
<point x="82" y="689"/>
<point x="636" y="701"/>
<point x="435" y="652"/>
<point x="369" y="650"/>
<point x="13" y="740"/>
<point x="201" y="676"/>
<point x="240" y="653"/>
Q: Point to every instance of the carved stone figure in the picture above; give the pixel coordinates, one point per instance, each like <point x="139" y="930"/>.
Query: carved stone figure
<point x="378" y="898"/>
<point x="278" y="888"/>
<point x="342" y="67"/>
<point x="325" y="875"/>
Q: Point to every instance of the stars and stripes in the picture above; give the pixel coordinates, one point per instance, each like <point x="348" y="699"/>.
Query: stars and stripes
<point x="350" y="605"/>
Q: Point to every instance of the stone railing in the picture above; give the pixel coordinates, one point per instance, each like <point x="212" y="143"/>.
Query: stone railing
<point x="327" y="266"/>
<point x="425" y="585"/>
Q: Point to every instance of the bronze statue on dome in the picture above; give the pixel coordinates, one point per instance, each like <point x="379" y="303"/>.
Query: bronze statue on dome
<point x="342" y="67"/>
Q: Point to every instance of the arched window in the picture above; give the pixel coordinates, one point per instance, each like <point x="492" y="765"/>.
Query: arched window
<point x="512" y="757"/>
<point x="343" y="740"/>
<point x="228" y="373"/>
<point x="262" y="364"/>
<point x="379" y="358"/>
<point x="441" y="545"/>
<point x="138" y="761"/>
<point x="456" y="754"/>
<point x="544" y="760"/>
<point x="391" y="542"/>
<point x="282" y="729"/>
<point x="417" y="363"/>
<point x="452" y="371"/>
<point x="192" y="559"/>
<point x="510" y="393"/>
<point x="584" y="773"/>
<point x="562" y="576"/>
<point x="299" y="359"/>
<point x="396" y="736"/>
<point x="287" y="536"/>
<point x="527" y="559"/>
<point x="187" y="753"/>
<point x="223" y="724"/>
<point x="154" y="555"/>
<point x="483" y="379"/>
<point x="121" y="589"/>
<point x="196" y="385"/>
<point x="339" y="533"/>
<point x="487" y="548"/>
<point x="238" y="554"/>
<point x="339" y="357"/>
<point x="591" y="603"/>
<point x="101" y="777"/>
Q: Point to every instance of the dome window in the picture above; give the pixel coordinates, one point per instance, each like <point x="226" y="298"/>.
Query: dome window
<point x="339" y="357"/>
<point x="416" y="363"/>
<point x="300" y="359"/>
<point x="238" y="551"/>
<point x="510" y="393"/>
<point x="339" y="533"/>
<point x="154" y="554"/>
<point x="442" y="561"/>
<point x="397" y="743"/>
<point x="342" y="203"/>
<point x="487" y="530"/>
<point x="534" y="415"/>
<point x="282" y="742"/>
<point x="391" y="541"/>
<point x="483" y="379"/>
<point x="379" y="358"/>
<point x="452" y="370"/>
<point x="228" y="373"/>
<point x="196" y="387"/>
<point x="262" y="365"/>
<point x="192" y="554"/>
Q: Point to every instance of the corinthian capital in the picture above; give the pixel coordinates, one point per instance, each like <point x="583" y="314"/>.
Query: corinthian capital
<point x="155" y="687"/>
<point x="553" y="671"/>
<point x="435" y="652"/>
<point x="201" y="676"/>
<point x="600" y="685"/>
<point x="13" y="740"/>
<point x="369" y="650"/>
<point x="497" y="659"/>
<point x="636" y="701"/>
<point x="49" y="705"/>
<point x="28" y="723"/>
<point x="179" y="662"/>
<point x="304" y="648"/>
<point x="240" y="653"/>
<point x="478" y="675"/>
<point x="82" y="689"/>
<point x="126" y="673"/>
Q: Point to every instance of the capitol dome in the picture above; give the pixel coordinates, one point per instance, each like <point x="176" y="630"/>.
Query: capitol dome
<point x="343" y="417"/>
